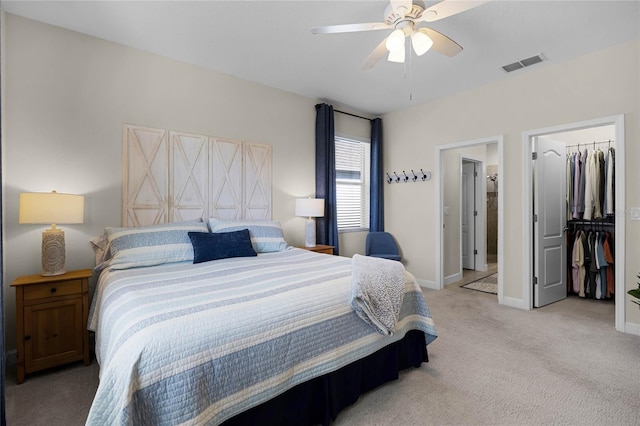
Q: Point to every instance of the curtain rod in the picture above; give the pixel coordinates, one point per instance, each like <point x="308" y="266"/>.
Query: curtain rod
<point x="353" y="115"/>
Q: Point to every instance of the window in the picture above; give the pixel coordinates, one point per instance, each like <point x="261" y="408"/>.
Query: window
<point x="352" y="183"/>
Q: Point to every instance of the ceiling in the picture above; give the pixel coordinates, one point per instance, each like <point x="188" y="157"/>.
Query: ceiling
<point x="270" y="42"/>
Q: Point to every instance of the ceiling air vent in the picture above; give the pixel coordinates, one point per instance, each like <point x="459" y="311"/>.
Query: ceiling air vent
<point x="523" y="63"/>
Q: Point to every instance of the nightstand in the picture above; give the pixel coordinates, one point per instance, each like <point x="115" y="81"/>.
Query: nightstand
<point x="51" y="319"/>
<point x="320" y="248"/>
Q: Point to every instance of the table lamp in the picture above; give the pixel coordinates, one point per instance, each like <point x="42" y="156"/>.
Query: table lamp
<point x="310" y="208"/>
<point x="53" y="208"/>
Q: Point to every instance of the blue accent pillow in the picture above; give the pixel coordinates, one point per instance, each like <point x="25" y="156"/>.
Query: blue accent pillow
<point x="224" y="245"/>
<point x="266" y="235"/>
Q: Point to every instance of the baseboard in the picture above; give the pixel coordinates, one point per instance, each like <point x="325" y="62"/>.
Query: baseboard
<point x="514" y="303"/>
<point x="427" y="284"/>
<point x="632" y="328"/>
<point x="452" y="278"/>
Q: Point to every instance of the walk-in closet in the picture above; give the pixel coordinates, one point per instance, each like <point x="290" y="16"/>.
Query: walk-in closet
<point x="589" y="234"/>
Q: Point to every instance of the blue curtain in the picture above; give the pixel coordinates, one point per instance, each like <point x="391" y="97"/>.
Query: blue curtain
<point x="376" y="203"/>
<point x="327" y="226"/>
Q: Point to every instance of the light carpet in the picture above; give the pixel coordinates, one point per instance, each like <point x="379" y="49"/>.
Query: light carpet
<point x="486" y="284"/>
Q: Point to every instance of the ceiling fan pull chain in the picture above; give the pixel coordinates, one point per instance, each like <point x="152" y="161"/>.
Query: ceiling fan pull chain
<point x="410" y="75"/>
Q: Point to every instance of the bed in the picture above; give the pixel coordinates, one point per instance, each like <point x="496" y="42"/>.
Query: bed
<point x="270" y="337"/>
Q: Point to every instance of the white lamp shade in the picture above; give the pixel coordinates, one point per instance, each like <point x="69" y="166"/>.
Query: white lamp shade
<point x="396" y="56"/>
<point x="51" y="208"/>
<point x="310" y="207"/>
<point x="421" y="43"/>
<point x="395" y="41"/>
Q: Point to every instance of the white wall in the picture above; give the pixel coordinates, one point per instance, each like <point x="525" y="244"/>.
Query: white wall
<point x="600" y="84"/>
<point x="67" y="97"/>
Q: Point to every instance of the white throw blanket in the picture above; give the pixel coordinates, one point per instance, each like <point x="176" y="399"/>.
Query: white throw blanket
<point x="377" y="290"/>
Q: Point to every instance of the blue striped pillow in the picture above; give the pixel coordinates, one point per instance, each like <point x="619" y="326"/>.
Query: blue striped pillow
<point x="152" y="245"/>
<point x="266" y="235"/>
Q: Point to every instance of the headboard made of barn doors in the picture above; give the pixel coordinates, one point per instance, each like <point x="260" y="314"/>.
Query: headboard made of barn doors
<point x="171" y="176"/>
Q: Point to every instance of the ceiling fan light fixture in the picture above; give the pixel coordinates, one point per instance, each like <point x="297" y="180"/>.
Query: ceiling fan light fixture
<point x="395" y="41"/>
<point x="421" y="42"/>
<point x="396" y="56"/>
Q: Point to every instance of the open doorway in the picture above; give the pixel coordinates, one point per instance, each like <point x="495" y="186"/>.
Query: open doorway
<point x="481" y="155"/>
<point x="537" y="271"/>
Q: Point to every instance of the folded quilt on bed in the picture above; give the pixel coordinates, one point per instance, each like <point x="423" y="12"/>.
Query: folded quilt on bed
<point x="377" y="290"/>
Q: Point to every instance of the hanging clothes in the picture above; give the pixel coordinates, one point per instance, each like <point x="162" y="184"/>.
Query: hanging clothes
<point x="578" y="264"/>
<point x="590" y="209"/>
<point x="608" y="256"/>
<point x="568" y="197"/>
<point x="577" y="173"/>
<point x="590" y="184"/>
<point x="591" y="274"/>
<point x="609" y="184"/>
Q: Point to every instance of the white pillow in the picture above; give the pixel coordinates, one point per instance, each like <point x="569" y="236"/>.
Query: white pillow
<point x="101" y="249"/>
<point x="152" y="245"/>
<point x="266" y="235"/>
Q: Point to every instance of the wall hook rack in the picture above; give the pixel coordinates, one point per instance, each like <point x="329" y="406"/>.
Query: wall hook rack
<point x="410" y="177"/>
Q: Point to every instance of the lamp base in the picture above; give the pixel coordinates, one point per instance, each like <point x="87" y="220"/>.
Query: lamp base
<point x="53" y="255"/>
<point x="310" y="233"/>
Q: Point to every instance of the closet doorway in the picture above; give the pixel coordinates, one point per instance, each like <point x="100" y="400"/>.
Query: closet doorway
<point x="483" y="155"/>
<point x="545" y="163"/>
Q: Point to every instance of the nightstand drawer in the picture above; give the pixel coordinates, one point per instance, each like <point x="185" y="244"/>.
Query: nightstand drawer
<point x="58" y="288"/>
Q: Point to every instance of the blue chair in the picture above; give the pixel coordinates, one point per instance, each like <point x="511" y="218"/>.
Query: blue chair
<point x="381" y="244"/>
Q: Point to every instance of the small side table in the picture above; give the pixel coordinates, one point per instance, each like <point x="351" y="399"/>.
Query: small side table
<point x="319" y="248"/>
<point x="51" y="320"/>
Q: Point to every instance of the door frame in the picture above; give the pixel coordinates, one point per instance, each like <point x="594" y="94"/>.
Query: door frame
<point x="499" y="139"/>
<point x="527" y="208"/>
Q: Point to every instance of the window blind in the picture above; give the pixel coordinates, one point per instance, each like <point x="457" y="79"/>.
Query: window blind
<point x="352" y="183"/>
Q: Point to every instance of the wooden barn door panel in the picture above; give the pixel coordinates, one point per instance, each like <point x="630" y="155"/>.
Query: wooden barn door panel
<point x="145" y="181"/>
<point x="189" y="165"/>
<point x="225" y="184"/>
<point x="257" y="182"/>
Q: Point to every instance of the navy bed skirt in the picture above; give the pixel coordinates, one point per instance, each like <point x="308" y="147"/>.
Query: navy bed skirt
<point x="318" y="401"/>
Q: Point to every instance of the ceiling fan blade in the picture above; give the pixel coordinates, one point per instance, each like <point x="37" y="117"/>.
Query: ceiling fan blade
<point x="448" y="8"/>
<point x="375" y="55"/>
<point x="350" y="28"/>
<point x="442" y="43"/>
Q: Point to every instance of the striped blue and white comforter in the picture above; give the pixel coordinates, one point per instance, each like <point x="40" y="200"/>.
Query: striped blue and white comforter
<point x="197" y="344"/>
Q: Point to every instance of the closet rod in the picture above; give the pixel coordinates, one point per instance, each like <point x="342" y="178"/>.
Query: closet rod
<point x="591" y="222"/>
<point x="353" y="115"/>
<point x="610" y="141"/>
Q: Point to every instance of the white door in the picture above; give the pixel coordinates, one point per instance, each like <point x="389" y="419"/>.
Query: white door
<point x="550" y="211"/>
<point x="467" y="215"/>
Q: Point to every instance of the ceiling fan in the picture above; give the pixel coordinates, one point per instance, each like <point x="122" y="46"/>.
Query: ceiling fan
<point x="405" y="17"/>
